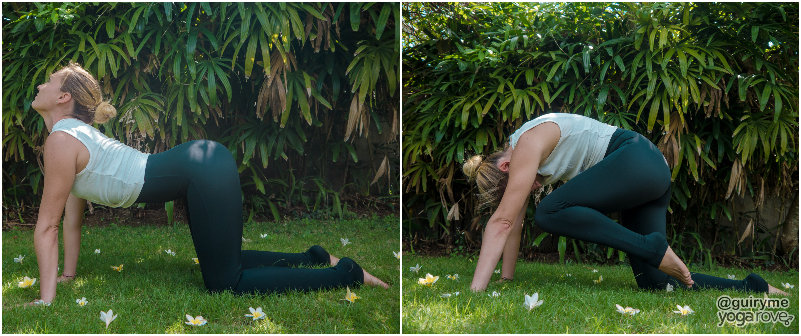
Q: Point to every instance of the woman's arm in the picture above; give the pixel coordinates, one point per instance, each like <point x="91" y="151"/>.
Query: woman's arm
<point x="512" y="247"/>
<point x="60" y="155"/>
<point x="533" y="147"/>
<point x="73" y="218"/>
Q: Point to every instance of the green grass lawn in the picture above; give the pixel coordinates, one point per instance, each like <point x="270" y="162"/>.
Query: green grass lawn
<point x="155" y="291"/>
<point x="573" y="302"/>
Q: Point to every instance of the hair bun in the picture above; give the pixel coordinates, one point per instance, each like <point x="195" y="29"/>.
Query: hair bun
<point x="103" y="112"/>
<point x="470" y="167"/>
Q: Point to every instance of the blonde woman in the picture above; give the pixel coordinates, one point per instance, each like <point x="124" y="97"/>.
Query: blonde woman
<point x="80" y="163"/>
<point x="606" y="169"/>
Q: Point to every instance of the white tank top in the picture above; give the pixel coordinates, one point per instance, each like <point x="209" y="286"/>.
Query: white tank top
<point x="115" y="173"/>
<point x="581" y="145"/>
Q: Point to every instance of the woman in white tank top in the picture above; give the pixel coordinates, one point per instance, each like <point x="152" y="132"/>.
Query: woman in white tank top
<point x="606" y="169"/>
<point x="81" y="164"/>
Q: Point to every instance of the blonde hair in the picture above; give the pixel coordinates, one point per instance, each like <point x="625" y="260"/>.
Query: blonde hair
<point x="85" y="92"/>
<point x="490" y="180"/>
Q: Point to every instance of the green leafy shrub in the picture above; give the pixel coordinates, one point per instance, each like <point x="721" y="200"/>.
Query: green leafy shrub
<point x="291" y="88"/>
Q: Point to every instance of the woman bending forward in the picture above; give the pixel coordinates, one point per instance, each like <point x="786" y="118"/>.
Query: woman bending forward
<point x="607" y="169"/>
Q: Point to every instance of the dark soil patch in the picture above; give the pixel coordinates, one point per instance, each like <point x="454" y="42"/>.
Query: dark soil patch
<point x="154" y="214"/>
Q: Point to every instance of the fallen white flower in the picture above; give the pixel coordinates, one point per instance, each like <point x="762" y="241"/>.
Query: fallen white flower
<point x="107" y="317"/>
<point x="447" y="295"/>
<point x="256" y="314"/>
<point x="683" y="310"/>
<point x="627" y="310"/>
<point x="532" y="301"/>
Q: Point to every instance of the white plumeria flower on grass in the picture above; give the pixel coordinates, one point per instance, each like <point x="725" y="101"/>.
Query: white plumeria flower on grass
<point x="263" y="235"/>
<point x="497" y="271"/>
<point x="532" y="301"/>
<point x="195" y="321"/>
<point x="26" y="282"/>
<point x="731" y="276"/>
<point x="196" y="260"/>
<point x="19" y="259"/>
<point x="117" y="268"/>
<point x="344" y="241"/>
<point x="81" y="302"/>
<point x="600" y="279"/>
<point x="627" y="310"/>
<point x="428" y="280"/>
<point x="107" y="317"/>
<point x="170" y="252"/>
<point x="594" y="270"/>
<point x="494" y="294"/>
<point x="787" y="285"/>
<point x="415" y="268"/>
<point x="350" y="296"/>
<point x="684" y="311"/>
<point x="97" y="251"/>
<point x="256" y="314"/>
<point x="453" y="277"/>
<point x="447" y="295"/>
<point x="397" y="254"/>
<point x="669" y="288"/>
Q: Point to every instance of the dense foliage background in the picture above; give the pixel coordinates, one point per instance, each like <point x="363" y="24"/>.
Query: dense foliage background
<point x="304" y="94"/>
<point x="715" y="85"/>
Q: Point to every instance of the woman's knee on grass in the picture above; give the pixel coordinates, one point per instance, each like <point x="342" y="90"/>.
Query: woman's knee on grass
<point x="319" y="255"/>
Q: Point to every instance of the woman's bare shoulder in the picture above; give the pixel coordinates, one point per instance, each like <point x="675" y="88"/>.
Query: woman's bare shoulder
<point x="542" y="139"/>
<point x="60" y="141"/>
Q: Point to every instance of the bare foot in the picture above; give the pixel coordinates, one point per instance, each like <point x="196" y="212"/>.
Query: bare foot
<point x="774" y="290"/>
<point x="369" y="279"/>
<point x="673" y="266"/>
<point x="373" y="281"/>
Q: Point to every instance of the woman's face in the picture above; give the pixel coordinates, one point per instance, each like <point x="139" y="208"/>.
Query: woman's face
<point x="50" y="94"/>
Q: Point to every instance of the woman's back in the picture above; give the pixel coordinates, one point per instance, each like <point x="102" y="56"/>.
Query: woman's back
<point x="115" y="172"/>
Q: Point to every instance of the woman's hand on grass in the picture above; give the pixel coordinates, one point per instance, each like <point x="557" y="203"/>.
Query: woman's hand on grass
<point x="36" y="302"/>
<point x="64" y="278"/>
<point x="503" y="279"/>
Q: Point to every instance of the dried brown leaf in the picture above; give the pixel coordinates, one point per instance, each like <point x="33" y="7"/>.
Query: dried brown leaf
<point x="734" y="179"/>
<point x="747" y="232"/>
<point x="453" y="213"/>
<point x="382" y="170"/>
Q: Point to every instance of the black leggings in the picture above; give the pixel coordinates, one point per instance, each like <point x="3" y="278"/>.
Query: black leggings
<point x="633" y="178"/>
<point x="205" y="175"/>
